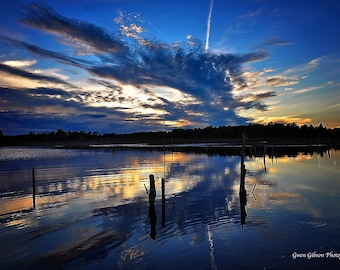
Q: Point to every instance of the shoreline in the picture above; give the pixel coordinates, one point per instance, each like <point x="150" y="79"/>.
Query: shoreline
<point x="256" y="149"/>
<point x="149" y="145"/>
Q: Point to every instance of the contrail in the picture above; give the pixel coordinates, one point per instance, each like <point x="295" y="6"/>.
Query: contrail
<point x="208" y="26"/>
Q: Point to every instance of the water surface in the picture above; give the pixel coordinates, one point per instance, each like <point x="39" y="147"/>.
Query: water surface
<point x="92" y="210"/>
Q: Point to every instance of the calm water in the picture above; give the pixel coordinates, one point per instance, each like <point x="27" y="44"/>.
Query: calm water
<point x="92" y="210"/>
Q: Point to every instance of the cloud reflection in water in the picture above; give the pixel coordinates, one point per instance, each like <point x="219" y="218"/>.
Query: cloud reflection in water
<point x="92" y="207"/>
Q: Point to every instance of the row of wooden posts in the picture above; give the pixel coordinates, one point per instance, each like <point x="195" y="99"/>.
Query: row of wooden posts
<point x="152" y="192"/>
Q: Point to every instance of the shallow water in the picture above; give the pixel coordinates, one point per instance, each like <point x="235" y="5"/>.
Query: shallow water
<point x="92" y="210"/>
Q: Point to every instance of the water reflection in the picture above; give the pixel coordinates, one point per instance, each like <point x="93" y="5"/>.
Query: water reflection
<point x="91" y="209"/>
<point x="33" y="187"/>
<point x="243" y="192"/>
<point x="163" y="203"/>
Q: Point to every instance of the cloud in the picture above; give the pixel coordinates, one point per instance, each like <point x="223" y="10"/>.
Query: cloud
<point x="60" y="57"/>
<point x="50" y="92"/>
<point x="306" y="68"/>
<point x="150" y="82"/>
<point x="131" y="30"/>
<point x="28" y="100"/>
<point x="286" y="119"/>
<point x="7" y="70"/>
<point x="44" y="109"/>
<point x="264" y="95"/>
<point x="19" y="63"/>
<point x="280" y="81"/>
<point x="254" y="57"/>
<point x="275" y="41"/>
<point x="255" y="101"/>
<point x="76" y="33"/>
<point x="313" y="63"/>
<point x="308" y="89"/>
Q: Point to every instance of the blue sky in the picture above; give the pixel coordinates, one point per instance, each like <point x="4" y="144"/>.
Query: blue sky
<point x="137" y="65"/>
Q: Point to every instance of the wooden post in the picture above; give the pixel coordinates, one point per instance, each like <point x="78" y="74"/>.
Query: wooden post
<point x="152" y="211"/>
<point x="243" y="195"/>
<point x="33" y="187"/>
<point x="152" y="194"/>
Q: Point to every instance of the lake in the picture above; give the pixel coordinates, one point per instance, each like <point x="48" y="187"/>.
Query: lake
<point x="91" y="209"/>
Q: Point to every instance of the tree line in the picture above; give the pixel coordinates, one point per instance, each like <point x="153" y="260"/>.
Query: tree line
<point x="273" y="132"/>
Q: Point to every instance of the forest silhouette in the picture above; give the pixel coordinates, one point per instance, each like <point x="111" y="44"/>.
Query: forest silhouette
<point x="272" y="133"/>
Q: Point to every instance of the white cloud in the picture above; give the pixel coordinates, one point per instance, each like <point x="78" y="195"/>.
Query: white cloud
<point x="19" y="63"/>
<point x="301" y="70"/>
<point x="308" y="89"/>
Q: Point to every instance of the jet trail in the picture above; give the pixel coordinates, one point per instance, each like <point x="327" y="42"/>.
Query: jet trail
<point x="208" y="26"/>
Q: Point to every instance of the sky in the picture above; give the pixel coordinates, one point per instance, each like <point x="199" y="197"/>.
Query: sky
<point x="122" y="66"/>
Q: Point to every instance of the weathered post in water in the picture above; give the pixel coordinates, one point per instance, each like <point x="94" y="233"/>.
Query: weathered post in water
<point x="33" y="187"/>
<point x="152" y="192"/>
<point x="152" y="211"/>
<point x="243" y="167"/>
<point x="243" y="195"/>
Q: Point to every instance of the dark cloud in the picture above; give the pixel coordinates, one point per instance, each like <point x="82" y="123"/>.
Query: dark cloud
<point x="254" y="57"/>
<point x="76" y="32"/>
<point x="8" y="70"/>
<point x="265" y="95"/>
<point x="94" y="116"/>
<point x="17" y="122"/>
<point x="34" y="110"/>
<point x="52" y="92"/>
<point x="108" y="85"/>
<point x="279" y="81"/>
<point x="60" y="57"/>
<point x="29" y="100"/>
<point x="256" y="100"/>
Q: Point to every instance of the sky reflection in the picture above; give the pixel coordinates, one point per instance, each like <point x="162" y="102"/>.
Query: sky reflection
<point x="92" y="209"/>
<point x="304" y="183"/>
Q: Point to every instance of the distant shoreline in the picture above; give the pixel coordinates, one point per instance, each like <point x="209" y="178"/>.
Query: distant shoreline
<point x="257" y="136"/>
